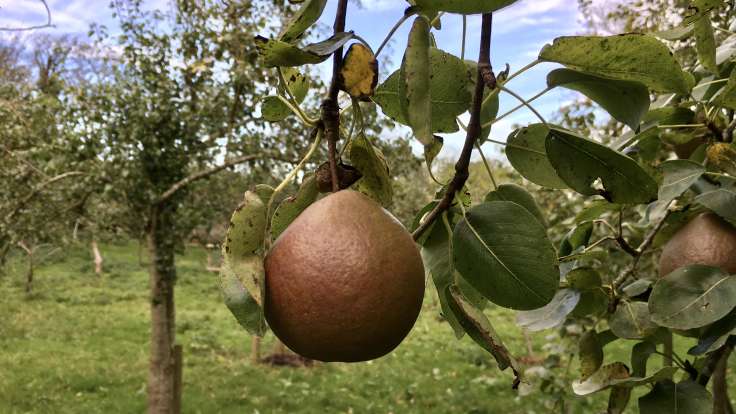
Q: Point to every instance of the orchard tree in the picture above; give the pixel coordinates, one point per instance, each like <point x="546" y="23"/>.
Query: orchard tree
<point x="40" y="165"/>
<point x="178" y="108"/>
<point x="315" y="270"/>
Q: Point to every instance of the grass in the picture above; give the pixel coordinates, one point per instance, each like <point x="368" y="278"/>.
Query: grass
<point x="79" y="344"/>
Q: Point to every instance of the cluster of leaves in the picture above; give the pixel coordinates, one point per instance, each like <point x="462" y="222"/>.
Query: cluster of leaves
<point x="499" y="250"/>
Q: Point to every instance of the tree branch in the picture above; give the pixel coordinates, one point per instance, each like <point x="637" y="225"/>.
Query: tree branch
<point x="330" y="108"/>
<point x="38" y="189"/>
<point x="473" y="132"/>
<point x="206" y="173"/>
<point x="41" y="26"/>
<point x="639" y="252"/>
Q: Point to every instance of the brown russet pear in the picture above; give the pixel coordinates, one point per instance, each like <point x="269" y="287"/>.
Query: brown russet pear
<point x="344" y="282"/>
<point x="706" y="239"/>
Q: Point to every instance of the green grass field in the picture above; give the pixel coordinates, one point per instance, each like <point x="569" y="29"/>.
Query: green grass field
<point x="79" y="344"/>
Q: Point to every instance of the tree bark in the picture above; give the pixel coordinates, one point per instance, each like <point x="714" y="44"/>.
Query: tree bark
<point x="178" y="377"/>
<point x="255" y="350"/>
<point x="97" y="258"/>
<point x="29" y="274"/>
<point x="161" y="375"/>
<point x="721" y="402"/>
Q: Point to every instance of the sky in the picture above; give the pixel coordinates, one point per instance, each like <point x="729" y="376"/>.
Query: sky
<point x="519" y="32"/>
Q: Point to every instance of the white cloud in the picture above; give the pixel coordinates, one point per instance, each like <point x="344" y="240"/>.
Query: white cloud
<point x="383" y="5"/>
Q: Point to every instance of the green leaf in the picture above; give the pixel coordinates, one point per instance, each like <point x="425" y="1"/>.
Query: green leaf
<point x="479" y="328"/>
<point x="264" y="192"/>
<point x="303" y="19"/>
<point x="432" y="151"/>
<point x="290" y="208"/>
<point x="676" y="33"/>
<point x="504" y="253"/>
<point x="617" y="375"/>
<point x="632" y="320"/>
<point x="661" y="374"/>
<point x="705" y="43"/>
<point x="581" y="162"/>
<point x="239" y="301"/>
<point x="640" y="354"/>
<point x="590" y="353"/>
<point x="518" y="195"/>
<point x="527" y="153"/>
<point x="592" y="302"/>
<point x="678" y="176"/>
<point x="687" y="397"/>
<point x="375" y="182"/>
<point x="550" y="315"/>
<point x="692" y="296"/>
<point x="626" y="101"/>
<point x="637" y="287"/>
<point x="450" y="95"/>
<point x="273" y="109"/>
<point x="247" y="228"/>
<point x="415" y="97"/>
<point x="595" y="209"/>
<point x="721" y="202"/>
<point x="298" y="84"/>
<point x="715" y="335"/>
<point x="437" y="258"/>
<point x="242" y="274"/>
<point x="330" y="45"/>
<point x="727" y="96"/>
<point x="278" y="53"/>
<point x="463" y="6"/>
<point x="584" y="278"/>
<point x="449" y="90"/>
<point x="633" y="57"/>
<point x="577" y="237"/>
<point x="603" y="378"/>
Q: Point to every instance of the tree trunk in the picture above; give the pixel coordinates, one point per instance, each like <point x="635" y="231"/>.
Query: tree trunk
<point x="29" y="274"/>
<point x="255" y="350"/>
<point x="162" y="370"/>
<point x="97" y="257"/>
<point x="721" y="402"/>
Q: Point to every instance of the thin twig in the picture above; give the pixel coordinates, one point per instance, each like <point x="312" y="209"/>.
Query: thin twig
<point x="618" y="282"/>
<point x="41" y="26"/>
<point x="474" y="129"/>
<point x="206" y="173"/>
<point x="330" y="108"/>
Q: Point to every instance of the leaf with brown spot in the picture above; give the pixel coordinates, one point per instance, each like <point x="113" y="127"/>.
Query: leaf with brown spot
<point x="359" y="72"/>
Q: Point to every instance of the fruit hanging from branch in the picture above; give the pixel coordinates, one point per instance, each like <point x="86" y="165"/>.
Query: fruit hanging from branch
<point x="706" y="239"/>
<point x="344" y="282"/>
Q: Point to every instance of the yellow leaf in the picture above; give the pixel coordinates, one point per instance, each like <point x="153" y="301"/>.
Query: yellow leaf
<point x="359" y="72"/>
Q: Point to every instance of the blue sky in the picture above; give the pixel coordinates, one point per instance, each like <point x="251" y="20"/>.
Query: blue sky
<point x="519" y="32"/>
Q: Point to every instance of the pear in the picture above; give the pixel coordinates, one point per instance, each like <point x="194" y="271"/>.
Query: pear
<point x="706" y="239"/>
<point x="344" y="282"/>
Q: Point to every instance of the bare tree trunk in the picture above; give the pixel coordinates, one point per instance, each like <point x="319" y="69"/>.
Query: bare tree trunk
<point x="141" y="263"/>
<point x="178" y="377"/>
<point x="29" y="274"/>
<point x="4" y="257"/>
<point x="721" y="402"/>
<point x="528" y="341"/>
<point x="161" y="375"/>
<point x="210" y="263"/>
<point x="97" y="257"/>
<point x="255" y="350"/>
